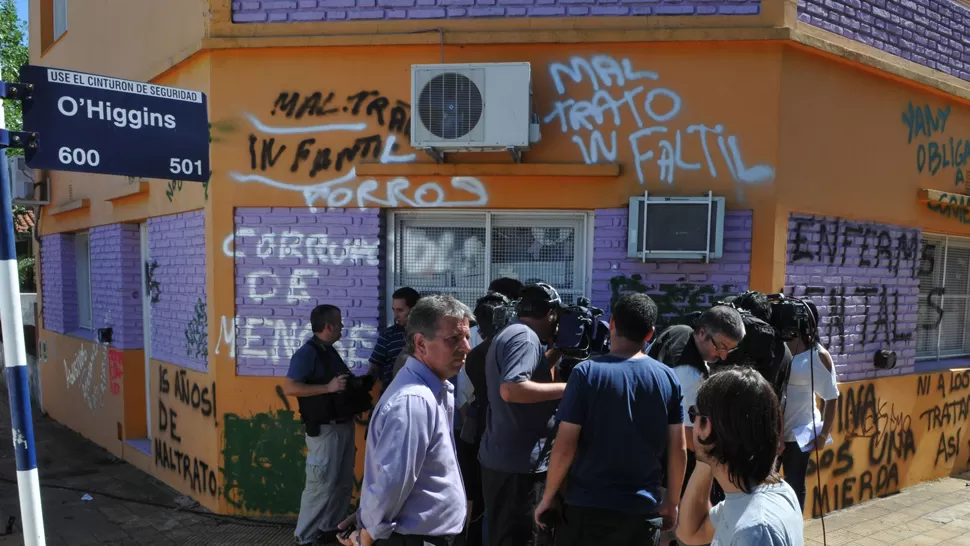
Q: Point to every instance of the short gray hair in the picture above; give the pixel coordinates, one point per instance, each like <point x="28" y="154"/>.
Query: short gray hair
<point x="723" y="320"/>
<point x="424" y="317"/>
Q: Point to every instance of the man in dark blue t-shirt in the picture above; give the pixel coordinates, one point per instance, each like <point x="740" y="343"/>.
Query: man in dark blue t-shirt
<point x="391" y="341"/>
<point x="620" y="416"/>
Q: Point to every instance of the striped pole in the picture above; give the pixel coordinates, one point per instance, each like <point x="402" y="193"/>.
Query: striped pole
<point x="15" y="362"/>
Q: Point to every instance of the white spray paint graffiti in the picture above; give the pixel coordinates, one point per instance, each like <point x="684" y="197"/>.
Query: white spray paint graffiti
<point x="398" y="192"/>
<point x="288" y="335"/>
<point x="616" y="92"/>
<point x="19" y="438"/>
<point x="227" y="335"/>
<point x="84" y="365"/>
<point x="432" y="252"/>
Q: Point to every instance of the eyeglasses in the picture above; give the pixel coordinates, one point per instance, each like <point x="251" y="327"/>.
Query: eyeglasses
<point x="693" y="414"/>
<point x="718" y="347"/>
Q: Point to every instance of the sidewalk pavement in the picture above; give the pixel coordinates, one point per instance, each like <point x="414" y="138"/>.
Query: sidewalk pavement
<point x="70" y="466"/>
<point x="130" y="507"/>
<point x="936" y="512"/>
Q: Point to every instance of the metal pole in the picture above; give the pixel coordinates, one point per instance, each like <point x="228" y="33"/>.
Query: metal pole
<point x="15" y="362"/>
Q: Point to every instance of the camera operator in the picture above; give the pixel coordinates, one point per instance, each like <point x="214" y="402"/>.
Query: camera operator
<point x="329" y="396"/>
<point x="522" y="404"/>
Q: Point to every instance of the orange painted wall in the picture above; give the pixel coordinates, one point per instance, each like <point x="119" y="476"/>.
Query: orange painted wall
<point x="86" y="387"/>
<point x="890" y="434"/>
<point x="810" y="136"/>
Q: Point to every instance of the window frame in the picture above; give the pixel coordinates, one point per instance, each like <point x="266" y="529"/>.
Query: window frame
<point x="585" y="233"/>
<point x="937" y="355"/>
<point x="77" y="277"/>
<point x="57" y="5"/>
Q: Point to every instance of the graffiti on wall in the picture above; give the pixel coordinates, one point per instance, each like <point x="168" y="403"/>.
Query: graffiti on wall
<point x="309" y="248"/>
<point x="265" y="459"/>
<point x="196" y="332"/>
<point x="627" y="100"/>
<point x="227" y="335"/>
<point x="116" y="370"/>
<point x="673" y="300"/>
<point x="372" y="124"/>
<point x="179" y="393"/>
<point x="936" y="152"/>
<point x="952" y="205"/>
<point x="862" y="277"/>
<point x="90" y="369"/>
<point x="891" y="433"/>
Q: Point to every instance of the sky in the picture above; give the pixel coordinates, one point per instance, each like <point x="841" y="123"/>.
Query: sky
<point x="21" y="9"/>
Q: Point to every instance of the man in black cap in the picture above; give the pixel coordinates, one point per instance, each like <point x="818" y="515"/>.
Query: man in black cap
<point x="522" y="404"/>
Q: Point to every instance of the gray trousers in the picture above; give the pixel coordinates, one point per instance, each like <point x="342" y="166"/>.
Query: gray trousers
<point x="329" y="481"/>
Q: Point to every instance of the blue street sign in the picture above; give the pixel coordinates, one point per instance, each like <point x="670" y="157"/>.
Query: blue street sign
<point x="96" y="124"/>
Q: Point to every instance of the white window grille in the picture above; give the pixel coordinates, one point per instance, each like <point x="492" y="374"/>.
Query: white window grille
<point x="461" y="253"/>
<point x="944" y="298"/>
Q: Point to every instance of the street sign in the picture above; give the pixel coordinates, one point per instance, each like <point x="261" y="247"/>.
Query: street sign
<point x="96" y="124"/>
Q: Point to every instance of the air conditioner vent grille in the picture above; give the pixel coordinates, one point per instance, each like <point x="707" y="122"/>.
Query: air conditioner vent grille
<point x="450" y="105"/>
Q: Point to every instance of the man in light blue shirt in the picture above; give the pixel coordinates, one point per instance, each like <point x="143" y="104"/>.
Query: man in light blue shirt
<point x="412" y="493"/>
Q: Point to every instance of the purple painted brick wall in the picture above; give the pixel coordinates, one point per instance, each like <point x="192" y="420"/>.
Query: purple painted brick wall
<point x="177" y="244"/>
<point x="273" y="11"/>
<point x="59" y="283"/>
<point x="929" y="32"/>
<point x="288" y="261"/>
<point x="864" y="279"/>
<point x="677" y="286"/>
<point x="116" y="283"/>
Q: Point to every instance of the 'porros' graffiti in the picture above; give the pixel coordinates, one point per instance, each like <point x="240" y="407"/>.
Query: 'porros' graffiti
<point x="619" y="90"/>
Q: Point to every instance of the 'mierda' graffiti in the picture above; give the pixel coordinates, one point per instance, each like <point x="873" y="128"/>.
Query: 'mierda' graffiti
<point x="618" y="91"/>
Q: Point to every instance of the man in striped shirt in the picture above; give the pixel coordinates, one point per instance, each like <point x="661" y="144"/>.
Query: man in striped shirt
<point x="391" y="341"/>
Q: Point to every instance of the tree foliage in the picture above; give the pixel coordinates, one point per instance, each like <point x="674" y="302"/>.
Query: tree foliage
<point x="13" y="55"/>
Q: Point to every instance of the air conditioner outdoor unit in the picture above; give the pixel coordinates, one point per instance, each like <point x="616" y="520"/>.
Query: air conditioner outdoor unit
<point x="483" y="107"/>
<point x="22" y="184"/>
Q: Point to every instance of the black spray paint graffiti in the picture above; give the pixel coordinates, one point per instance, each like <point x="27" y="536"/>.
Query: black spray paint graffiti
<point x="673" y="300"/>
<point x="885" y="328"/>
<point x="154" y="288"/>
<point x="838" y="240"/>
<point x="396" y="118"/>
<point x="196" y="332"/>
<point x="862" y="416"/>
<point x="200" y="476"/>
<point x="939" y="154"/>
<point x="952" y="206"/>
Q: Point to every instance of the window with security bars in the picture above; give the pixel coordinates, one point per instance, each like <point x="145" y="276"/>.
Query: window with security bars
<point x="944" y="298"/>
<point x="459" y="254"/>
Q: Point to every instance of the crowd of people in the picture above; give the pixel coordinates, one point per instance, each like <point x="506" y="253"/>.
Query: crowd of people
<point x="673" y="438"/>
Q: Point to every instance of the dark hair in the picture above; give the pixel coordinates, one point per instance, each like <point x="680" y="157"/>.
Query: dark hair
<point x="507" y="286"/>
<point x="634" y="315"/>
<point x="755" y="303"/>
<point x="323" y="315"/>
<point x="485" y="312"/>
<point x="746" y="425"/>
<point x="814" y="310"/>
<point x="722" y="320"/>
<point x="408" y="294"/>
<point x="537" y="300"/>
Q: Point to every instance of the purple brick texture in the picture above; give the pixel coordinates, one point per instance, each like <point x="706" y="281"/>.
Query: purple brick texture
<point x="929" y="32"/>
<point x="59" y="283"/>
<point x="177" y="244"/>
<point x="677" y="286"/>
<point x="288" y="261"/>
<point x="863" y="277"/>
<point x="276" y="11"/>
<point x="116" y="283"/>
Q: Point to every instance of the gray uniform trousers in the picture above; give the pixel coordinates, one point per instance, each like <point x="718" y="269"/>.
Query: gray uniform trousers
<point x="329" y="481"/>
